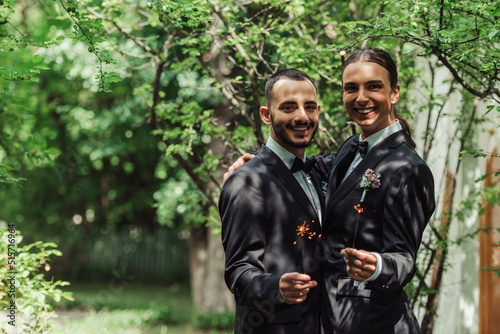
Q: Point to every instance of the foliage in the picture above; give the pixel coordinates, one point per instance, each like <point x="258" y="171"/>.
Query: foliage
<point x="221" y="321"/>
<point x="5" y="177"/>
<point x="116" y="321"/>
<point x="24" y="288"/>
<point x="462" y="35"/>
<point x="136" y="308"/>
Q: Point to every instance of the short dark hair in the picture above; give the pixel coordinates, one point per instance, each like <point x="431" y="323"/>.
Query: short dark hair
<point x="291" y="74"/>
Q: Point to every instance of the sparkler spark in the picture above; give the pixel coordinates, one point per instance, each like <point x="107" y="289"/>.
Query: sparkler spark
<point x="304" y="231"/>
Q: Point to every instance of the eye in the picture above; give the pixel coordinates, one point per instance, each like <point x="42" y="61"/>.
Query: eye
<point x="374" y="86"/>
<point x="350" y="89"/>
<point x="311" y="107"/>
<point x="287" y="107"/>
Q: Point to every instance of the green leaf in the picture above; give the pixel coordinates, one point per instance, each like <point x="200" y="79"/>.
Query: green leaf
<point x="36" y="59"/>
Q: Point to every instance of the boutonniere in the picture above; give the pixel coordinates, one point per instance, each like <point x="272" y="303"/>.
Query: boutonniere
<point x="370" y="180"/>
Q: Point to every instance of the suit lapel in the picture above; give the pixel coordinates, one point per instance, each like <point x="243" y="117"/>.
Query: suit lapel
<point x="371" y="160"/>
<point x="283" y="174"/>
<point x="318" y="186"/>
<point x="342" y="155"/>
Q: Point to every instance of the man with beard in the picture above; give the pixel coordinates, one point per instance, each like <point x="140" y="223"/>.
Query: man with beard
<point x="270" y="211"/>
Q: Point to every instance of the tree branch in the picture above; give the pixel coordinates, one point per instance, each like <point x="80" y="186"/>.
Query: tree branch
<point x="143" y="46"/>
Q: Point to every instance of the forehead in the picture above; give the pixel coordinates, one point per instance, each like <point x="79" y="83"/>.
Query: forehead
<point x="362" y="71"/>
<point x="293" y="90"/>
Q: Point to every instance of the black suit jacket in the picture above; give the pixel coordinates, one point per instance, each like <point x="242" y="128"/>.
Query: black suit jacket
<point x="393" y="220"/>
<point x="261" y="206"/>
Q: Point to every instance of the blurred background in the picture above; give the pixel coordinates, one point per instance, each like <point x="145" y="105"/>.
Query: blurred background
<point x="118" y="119"/>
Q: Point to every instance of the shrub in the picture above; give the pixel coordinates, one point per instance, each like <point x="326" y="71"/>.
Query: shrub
<point x="220" y="321"/>
<point x="24" y="291"/>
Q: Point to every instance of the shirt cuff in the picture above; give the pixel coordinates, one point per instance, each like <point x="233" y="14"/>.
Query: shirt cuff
<point x="374" y="276"/>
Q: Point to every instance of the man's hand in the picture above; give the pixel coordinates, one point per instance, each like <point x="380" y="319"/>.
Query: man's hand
<point x="360" y="264"/>
<point x="294" y="287"/>
<point x="237" y="164"/>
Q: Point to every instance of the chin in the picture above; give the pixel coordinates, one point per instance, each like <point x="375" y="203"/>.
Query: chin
<point x="302" y="144"/>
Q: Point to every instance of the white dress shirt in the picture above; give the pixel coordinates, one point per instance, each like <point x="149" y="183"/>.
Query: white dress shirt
<point x="302" y="177"/>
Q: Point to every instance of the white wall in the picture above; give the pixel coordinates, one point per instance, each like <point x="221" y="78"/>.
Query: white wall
<point x="459" y="298"/>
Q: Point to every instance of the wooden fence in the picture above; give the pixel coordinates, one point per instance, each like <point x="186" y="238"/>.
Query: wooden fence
<point x="160" y="256"/>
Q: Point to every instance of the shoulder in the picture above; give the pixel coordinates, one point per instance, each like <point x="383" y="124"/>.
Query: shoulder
<point x="412" y="157"/>
<point x="251" y="174"/>
<point x="325" y="162"/>
<point x="405" y="165"/>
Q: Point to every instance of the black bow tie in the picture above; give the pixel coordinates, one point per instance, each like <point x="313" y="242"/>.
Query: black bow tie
<point x="300" y="165"/>
<point x="360" y="146"/>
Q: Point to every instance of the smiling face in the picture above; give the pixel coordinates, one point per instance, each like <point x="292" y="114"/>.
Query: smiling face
<point x="293" y="114"/>
<point x="368" y="97"/>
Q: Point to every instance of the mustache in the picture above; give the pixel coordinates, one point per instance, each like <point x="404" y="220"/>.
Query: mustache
<point x="296" y="124"/>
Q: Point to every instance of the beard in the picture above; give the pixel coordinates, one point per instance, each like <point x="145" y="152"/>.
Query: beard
<point x="280" y="132"/>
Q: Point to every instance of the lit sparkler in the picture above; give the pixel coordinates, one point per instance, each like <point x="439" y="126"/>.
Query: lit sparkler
<point x="359" y="209"/>
<point x="304" y="231"/>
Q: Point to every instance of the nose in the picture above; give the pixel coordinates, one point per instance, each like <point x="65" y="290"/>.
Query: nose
<point x="301" y="115"/>
<point x="361" y="97"/>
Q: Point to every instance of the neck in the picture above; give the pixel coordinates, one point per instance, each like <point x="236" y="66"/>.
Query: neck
<point x="298" y="152"/>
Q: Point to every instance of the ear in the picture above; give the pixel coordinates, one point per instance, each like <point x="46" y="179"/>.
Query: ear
<point x="395" y="94"/>
<point x="265" y="114"/>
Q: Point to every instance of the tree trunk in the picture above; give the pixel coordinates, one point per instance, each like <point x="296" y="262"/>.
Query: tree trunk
<point x="489" y="256"/>
<point x="207" y="258"/>
<point x="440" y="258"/>
<point x="208" y="288"/>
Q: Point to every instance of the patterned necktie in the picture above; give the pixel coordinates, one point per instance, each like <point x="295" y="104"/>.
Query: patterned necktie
<point x="300" y="165"/>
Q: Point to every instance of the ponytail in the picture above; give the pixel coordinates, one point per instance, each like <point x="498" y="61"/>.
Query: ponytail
<point x="405" y="125"/>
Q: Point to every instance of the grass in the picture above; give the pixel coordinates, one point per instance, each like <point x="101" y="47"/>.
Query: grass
<point x="128" y="308"/>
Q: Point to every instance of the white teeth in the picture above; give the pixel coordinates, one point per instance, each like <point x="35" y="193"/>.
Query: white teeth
<point x="299" y="129"/>
<point x="365" y="111"/>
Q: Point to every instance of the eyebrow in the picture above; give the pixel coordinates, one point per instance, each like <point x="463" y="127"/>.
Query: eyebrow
<point x="294" y="102"/>
<point x="369" y="82"/>
<point x="286" y="102"/>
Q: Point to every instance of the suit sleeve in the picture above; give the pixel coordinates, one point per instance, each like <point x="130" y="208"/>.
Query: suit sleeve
<point x="323" y="166"/>
<point x="408" y="207"/>
<point x="242" y="208"/>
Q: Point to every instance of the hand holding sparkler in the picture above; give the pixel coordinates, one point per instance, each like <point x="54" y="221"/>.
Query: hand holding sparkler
<point x="360" y="264"/>
<point x="294" y="287"/>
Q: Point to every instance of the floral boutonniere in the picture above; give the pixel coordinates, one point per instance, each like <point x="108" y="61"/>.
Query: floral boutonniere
<point x="370" y="180"/>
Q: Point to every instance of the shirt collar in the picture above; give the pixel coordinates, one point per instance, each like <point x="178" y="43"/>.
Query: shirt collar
<point x="377" y="137"/>
<point x="285" y="155"/>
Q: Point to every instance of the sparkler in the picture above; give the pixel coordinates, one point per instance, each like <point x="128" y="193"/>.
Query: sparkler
<point x="370" y="180"/>
<point x="359" y="209"/>
<point x="304" y="231"/>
